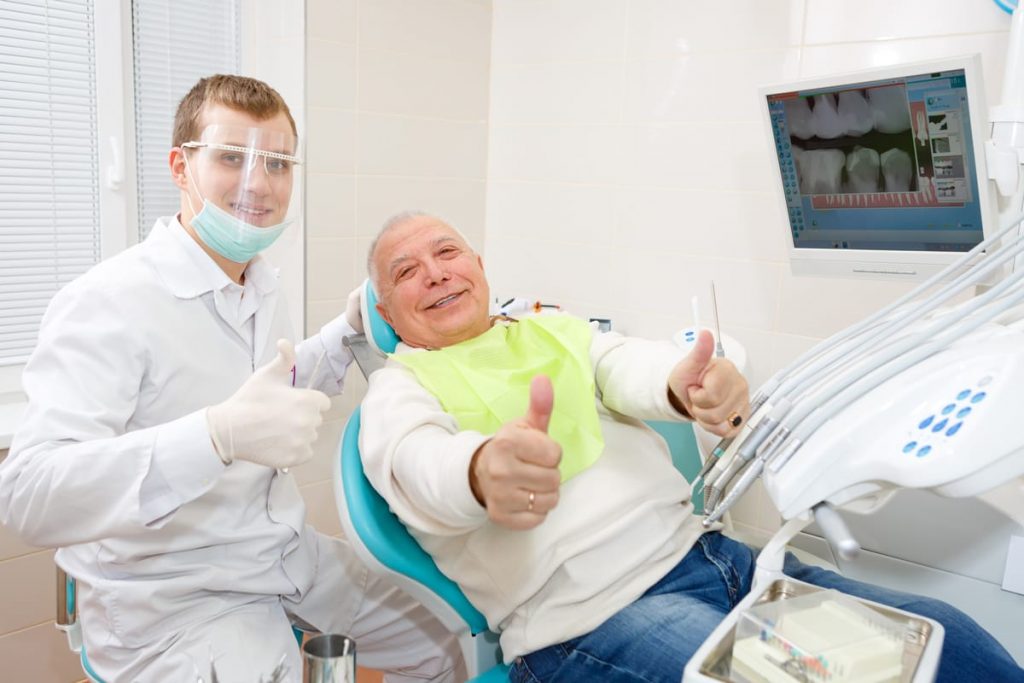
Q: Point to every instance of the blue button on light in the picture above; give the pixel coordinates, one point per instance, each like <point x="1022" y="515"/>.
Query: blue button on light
<point x="978" y="397"/>
<point x="940" y="425"/>
<point x="949" y="409"/>
<point x="963" y="412"/>
<point x="910" y="446"/>
<point x="925" y="450"/>
<point x="963" y="394"/>
<point x="954" y="429"/>
<point x="925" y="422"/>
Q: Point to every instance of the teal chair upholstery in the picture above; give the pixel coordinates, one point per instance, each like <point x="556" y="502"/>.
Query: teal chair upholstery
<point x="384" y="543"/>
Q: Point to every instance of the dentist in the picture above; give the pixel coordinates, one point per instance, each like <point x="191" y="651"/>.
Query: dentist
<point x="163" y="414"/>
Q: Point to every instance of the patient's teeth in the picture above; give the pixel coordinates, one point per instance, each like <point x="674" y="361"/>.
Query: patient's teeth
<point x="889" y="108"/>
<point x="896" y="169"/>
<point x="862" y="170"/>
<point x="825" y="118"/>
<point x="855" y="113"/>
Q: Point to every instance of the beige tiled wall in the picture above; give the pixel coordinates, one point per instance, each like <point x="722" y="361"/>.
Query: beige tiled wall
<point x="397" y="119"/>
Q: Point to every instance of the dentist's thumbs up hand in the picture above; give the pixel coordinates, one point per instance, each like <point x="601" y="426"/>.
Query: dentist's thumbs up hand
<point x="268" y="421"/>
<point x="515" y="474"/>
<point x="708" y="389"/>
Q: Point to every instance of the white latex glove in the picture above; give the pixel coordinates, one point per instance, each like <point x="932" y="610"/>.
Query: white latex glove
<point x="354" y="311"/>
<point x="268" y="421"/>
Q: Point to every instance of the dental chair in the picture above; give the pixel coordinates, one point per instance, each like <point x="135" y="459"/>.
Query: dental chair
<point x="386" y="546"/>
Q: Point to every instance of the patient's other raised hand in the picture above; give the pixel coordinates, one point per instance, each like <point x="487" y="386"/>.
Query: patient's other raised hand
<point x="515" y="474"/>
<point x="708" y="389"/>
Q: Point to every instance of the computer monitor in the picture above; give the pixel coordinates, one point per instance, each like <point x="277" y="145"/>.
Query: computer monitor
<point x="881" y="173"/>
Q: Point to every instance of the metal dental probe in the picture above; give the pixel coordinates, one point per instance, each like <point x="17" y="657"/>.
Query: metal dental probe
<point x="719" y="351"/>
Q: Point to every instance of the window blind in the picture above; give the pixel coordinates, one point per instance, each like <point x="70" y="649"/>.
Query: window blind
<point x="49" y="177"/>
<point x="175" y="43"/>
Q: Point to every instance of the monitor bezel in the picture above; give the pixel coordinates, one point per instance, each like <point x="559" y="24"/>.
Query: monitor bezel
<point x="909" y="266"/>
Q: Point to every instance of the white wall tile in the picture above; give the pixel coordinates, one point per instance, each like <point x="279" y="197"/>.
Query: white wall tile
<point x="578" y="154"/>
<point x="330" y="264"/>
<point x="659" y="28"/>
<point x="568" y="92"/>
<point x="758" y="346"/>
<point x="841" y="22"/>
<point x="566" y="30"/>
<point x="397" y="145"/>
<point x="439" y="28"/>
<point x="662" y="281"/>
<point x="724" y="224"/>
<point x="331" y="140"/>
<point x="549" y="271"/>
<point x="822" y="60"/>
<point x="689" y="87"/>
<point x="537" y="212"/>
<point x="456" y="200"/>
<point x="707" y="156"/>
<point x="330" y="206"/>
<point x="333" y="20"/>
<point x="414" y="85"/>
<point x="821" y="306"/>
<point x="331" y="67"/>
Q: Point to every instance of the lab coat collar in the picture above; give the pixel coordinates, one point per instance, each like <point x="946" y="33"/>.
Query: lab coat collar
<point x="189" y="271"/>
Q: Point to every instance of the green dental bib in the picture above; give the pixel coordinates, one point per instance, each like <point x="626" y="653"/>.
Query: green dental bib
<point x="484" y="382"/>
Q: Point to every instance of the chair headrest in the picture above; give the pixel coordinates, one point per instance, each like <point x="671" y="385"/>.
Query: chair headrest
<point x="379" y="334"/>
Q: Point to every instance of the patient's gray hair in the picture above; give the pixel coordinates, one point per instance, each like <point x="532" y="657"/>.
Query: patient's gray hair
<point x="389" y="225"/>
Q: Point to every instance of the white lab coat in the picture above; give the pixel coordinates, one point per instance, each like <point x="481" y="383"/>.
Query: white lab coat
<point x="114" y="464"/>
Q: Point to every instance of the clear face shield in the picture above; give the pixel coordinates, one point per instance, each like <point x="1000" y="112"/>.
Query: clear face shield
<point x="240" y="191"/>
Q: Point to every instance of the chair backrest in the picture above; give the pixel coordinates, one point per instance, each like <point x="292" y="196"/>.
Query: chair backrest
<point x="387" y="539"/>
<point x="379" y="334"/>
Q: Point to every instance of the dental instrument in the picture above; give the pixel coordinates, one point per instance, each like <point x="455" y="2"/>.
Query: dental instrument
<point x="309" y="385"/>
<point x="719" y="349"/>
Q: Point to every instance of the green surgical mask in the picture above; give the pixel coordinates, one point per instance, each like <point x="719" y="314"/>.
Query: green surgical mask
<point x="484" y="382"/>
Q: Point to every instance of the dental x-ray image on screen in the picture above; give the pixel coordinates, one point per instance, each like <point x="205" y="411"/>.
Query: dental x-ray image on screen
<point x="879" y="170"/>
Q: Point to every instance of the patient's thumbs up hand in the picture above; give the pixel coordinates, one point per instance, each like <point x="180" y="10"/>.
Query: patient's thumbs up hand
<point x="542" y="401"/>
<point x="515" y="474"/>
<point x="710" y="390"/>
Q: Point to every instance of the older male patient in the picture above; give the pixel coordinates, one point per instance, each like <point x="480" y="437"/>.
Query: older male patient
<point x="517" y="455"/>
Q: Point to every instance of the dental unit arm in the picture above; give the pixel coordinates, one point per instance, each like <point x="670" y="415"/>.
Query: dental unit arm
<point x="926" y="393"/>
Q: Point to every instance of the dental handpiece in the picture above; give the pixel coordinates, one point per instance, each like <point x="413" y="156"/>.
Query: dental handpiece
<point x="723" y="445"/>
<point x="765" y="428"/>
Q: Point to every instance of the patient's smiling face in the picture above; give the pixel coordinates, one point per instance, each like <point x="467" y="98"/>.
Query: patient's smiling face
<point x="432" y="285"/>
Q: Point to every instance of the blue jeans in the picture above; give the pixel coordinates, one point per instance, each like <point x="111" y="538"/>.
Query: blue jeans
<point x="651" y="640"/>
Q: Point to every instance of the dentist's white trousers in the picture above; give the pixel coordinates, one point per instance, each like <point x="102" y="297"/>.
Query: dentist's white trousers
<point x="393" y="633"/>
